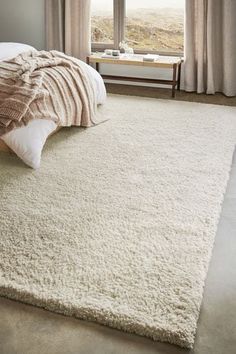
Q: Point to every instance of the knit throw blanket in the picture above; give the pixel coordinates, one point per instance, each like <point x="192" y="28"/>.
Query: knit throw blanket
<point x="45" y="85"/>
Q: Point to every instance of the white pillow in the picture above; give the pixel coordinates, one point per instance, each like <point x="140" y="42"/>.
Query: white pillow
<point x="27" y="142"/>
<point x="11" y="50"/>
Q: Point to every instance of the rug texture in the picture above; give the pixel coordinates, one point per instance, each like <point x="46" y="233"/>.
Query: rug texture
<point x="118" y="224"/>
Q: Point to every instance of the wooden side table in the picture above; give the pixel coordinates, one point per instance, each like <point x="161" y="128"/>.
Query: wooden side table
<point x="164" y="62"/>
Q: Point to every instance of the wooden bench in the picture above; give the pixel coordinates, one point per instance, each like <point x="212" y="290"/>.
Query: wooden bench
<point x="163" y="62"/>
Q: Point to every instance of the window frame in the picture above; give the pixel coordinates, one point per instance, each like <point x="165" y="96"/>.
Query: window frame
<point x="119" y="14"/>
<point x="118" y="28"/>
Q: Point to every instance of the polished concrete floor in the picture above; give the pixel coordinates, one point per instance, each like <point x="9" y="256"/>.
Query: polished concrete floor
<point x="26" y="329"/>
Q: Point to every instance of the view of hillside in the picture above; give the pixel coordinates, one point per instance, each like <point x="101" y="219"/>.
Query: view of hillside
<point x="159" y="29"/>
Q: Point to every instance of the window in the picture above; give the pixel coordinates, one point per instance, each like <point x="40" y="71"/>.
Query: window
<point x="156" y="25"/>
<point x="147" y="25"/>
<point x="102" y="22"/>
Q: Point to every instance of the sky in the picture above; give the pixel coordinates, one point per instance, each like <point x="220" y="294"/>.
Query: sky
<point x="134" y="4"/>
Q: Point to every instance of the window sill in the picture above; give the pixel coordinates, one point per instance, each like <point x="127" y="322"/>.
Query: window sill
<point x="169" y="54"/>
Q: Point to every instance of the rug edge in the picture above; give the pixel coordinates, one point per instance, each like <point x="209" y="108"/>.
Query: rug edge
<point x="98" y="317"/>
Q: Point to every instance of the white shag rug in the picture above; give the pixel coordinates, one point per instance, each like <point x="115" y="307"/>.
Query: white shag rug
<point x="118" y="224"/>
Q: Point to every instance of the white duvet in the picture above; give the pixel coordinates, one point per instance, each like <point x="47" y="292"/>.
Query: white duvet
<point x="27" y="142"/>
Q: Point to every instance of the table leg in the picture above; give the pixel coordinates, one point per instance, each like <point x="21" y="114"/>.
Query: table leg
<point x="87" y="60"/>
<point x="179" y="76"/>
<point x="97" y="67"/>
<point x="174" y="82"/>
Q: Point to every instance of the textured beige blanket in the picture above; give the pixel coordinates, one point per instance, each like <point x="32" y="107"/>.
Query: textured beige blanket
<point x="44" y="85"/>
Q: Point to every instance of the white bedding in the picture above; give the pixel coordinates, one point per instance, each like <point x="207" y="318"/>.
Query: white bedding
<point x="27" y="142"/>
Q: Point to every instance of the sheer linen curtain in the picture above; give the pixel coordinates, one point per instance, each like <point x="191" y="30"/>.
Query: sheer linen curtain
<point x="210" y="46"/>
<point x="68" y="26"/>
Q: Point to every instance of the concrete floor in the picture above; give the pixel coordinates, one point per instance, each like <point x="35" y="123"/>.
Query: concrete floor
<point x="26" y="329"/>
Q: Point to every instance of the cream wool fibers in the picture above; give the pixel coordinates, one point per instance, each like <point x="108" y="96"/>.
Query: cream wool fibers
<point x="118" y="224"/>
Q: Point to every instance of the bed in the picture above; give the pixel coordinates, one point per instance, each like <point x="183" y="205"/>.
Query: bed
<point x="28" y="141"/>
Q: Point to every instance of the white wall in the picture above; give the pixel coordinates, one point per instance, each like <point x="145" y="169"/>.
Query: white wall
<point x="22" y="21"/>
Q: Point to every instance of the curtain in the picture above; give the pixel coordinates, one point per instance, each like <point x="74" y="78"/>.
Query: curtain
<point x="210" y="46"/>
<point x="68" y="27"/>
